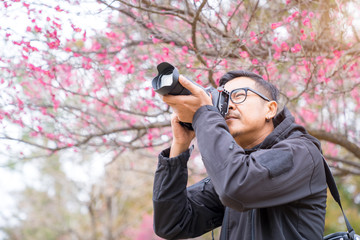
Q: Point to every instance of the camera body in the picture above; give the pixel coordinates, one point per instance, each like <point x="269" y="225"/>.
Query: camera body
<point x="167" y="82"/>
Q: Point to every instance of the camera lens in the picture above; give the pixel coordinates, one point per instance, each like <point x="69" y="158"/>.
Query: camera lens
<point x="167" y="81"/>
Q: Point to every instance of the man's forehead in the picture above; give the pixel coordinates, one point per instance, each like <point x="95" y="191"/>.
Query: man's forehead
<point x="239" y="82"/>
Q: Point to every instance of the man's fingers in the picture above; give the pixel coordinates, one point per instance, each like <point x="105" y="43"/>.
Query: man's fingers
<point x="193" y="88"/>
<point x="174" y="99"/>
<point x="174" y="118"/>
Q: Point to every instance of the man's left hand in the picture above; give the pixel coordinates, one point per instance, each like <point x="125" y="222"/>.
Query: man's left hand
<point x="185" y="106"/>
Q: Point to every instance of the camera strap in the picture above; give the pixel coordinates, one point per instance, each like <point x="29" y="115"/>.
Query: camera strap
<point x="335" y="194"/>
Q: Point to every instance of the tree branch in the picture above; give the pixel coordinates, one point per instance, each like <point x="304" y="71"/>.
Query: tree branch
<point x="336" y="138"/>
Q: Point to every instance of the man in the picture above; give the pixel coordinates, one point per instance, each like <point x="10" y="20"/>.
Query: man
<point x="266" y="174"/>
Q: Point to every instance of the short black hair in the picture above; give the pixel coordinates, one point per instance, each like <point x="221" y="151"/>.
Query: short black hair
<point x="265" y="87"/>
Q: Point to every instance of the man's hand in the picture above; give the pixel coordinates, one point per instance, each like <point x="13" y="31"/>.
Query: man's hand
<point x="182" y="137"/>
<point x="185" y="106"/>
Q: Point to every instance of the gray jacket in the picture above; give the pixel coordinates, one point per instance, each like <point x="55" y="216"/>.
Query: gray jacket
<point x="275" y="191"/>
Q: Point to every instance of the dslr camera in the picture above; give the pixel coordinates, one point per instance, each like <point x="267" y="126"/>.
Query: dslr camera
<point x="167" y="82"/>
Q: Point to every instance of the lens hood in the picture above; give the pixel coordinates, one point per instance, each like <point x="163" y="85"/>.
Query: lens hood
<point x="167" y="81"/>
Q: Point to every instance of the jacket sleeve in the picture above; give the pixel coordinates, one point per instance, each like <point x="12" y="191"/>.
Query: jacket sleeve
<point x="181" y="212"/>
<point x="290" y="170"/>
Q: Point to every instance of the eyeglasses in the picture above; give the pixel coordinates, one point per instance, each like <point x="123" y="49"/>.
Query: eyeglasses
<point x="239" y="95"/>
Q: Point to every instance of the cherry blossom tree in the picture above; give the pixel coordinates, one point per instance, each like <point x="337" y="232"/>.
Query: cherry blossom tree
<point x="95" y="93"/>
<point x="67" y="87"/>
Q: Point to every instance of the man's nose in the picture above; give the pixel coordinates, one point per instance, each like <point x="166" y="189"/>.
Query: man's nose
<point x="231" y="105"/>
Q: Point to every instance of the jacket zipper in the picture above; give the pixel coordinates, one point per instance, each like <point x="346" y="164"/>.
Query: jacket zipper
<point x="223" y="235"/>
<point x="252" y="225"/>
<point x="207" y="180"/>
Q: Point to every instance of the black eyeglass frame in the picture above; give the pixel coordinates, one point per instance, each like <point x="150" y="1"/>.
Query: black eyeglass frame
<point x="246" y="89"/>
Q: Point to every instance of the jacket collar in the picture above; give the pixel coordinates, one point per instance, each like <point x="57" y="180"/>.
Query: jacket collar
<point x="285" y="127"/>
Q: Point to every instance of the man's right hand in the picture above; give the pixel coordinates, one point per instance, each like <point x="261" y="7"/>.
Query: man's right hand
<point x="182" y="137"/>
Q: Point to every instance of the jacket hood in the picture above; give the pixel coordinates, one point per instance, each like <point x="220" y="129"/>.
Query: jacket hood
<point x="285" y="127"/>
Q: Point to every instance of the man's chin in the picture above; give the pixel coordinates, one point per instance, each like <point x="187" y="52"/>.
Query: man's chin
<point x="235" y="134"/>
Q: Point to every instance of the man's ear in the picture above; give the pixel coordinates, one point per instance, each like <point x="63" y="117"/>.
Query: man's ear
<point x="271" y="109"/>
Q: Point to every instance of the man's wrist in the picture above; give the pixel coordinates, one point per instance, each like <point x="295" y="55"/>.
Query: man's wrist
<point x="177" y="148"/>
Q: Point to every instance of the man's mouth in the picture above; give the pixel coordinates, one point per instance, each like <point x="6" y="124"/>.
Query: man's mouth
<point x="230" y="117"/>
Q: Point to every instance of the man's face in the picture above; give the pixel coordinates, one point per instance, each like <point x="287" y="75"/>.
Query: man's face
<point x="246" y="120"/>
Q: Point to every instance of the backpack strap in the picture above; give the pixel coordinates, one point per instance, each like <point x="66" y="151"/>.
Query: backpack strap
<point x="335" y="194"/>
